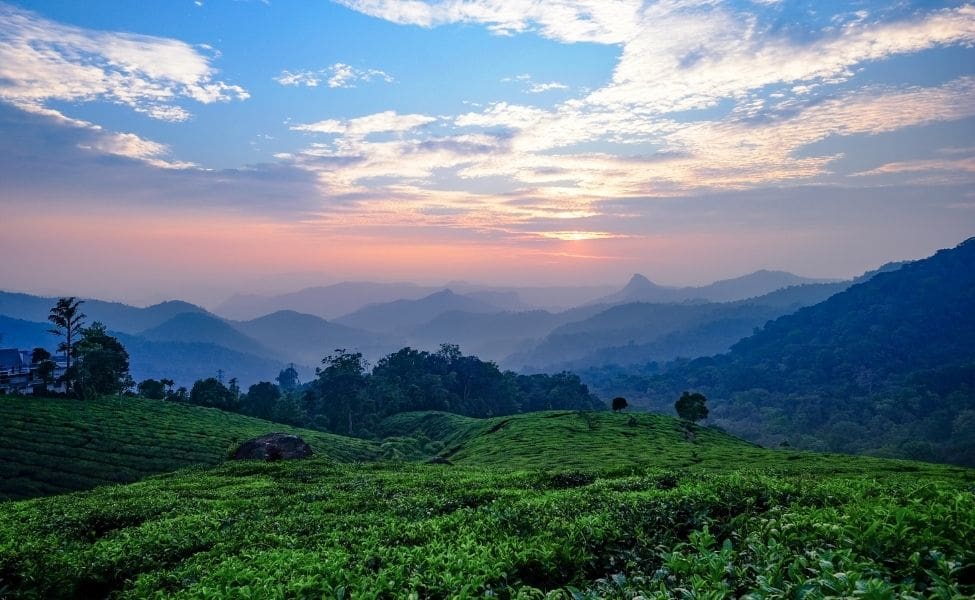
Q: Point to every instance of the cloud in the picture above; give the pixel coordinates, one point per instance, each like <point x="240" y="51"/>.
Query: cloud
<point x="601" y="21"/>
<point x="41" y="61"/>
<point x="539" y="88"/>
<point x="300" y="78"/>
<point x="719" y="54"/>
<point x="384" y="122"/>
<point x="51" y="160"/>
<point x="339" y="75"/>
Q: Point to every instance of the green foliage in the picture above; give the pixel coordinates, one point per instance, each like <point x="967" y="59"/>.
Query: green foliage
<point x="103" y="363"/>
<point x="561" y="504"/>
<point x="212" y="393"/>
<point x="347" y="398"/>
<point x="152" y="389"/>
<point x="692" y="407"/>
<point x="883" y="368"/>
<point x="313" y="529"/>
<point x="56" y="445"/>
<point x="261" y="400"/>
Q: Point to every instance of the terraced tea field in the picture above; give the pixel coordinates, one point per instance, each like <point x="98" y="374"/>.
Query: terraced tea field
<point x="544" y="505"/>
<point x="49" y="446"/>
<point x="317" y="529"/>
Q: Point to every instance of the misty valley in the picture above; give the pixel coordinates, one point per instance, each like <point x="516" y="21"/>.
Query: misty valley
<point x="497" y="299"/>
<point x="467" y="442"/>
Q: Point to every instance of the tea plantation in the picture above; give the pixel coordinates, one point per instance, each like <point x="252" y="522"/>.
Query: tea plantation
<point x="545" y="505"/>
<point x="49" y="446"/>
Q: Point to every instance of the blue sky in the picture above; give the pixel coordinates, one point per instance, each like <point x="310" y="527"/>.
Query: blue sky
<point x="504" y="141"/>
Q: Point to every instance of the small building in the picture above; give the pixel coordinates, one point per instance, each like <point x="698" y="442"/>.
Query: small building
<point x="19" y="374"/>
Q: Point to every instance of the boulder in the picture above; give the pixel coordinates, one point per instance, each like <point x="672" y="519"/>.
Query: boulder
<point x="273" y="446"/>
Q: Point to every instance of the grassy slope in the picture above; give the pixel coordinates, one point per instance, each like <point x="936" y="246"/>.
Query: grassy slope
<point x="569" y="440"/>
<point x="534" y="503"/>
<point x="50" y="446"/>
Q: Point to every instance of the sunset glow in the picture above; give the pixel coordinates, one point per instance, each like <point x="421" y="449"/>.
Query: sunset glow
<point x="499" y="141"/>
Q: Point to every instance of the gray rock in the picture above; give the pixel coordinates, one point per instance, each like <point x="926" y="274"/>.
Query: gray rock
<point x="273" y="446"/>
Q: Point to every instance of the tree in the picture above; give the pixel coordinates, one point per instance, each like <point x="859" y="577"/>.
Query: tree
<point x="691" y="407"/>
<point x="210" y="392"/>
<point x="261" y="400"/>
<point x="288" y="379"/>
<point x="67" y="318"/>
<point x="43" y="365"/>
<point x="619" y="403"/>
<point x="103" y="363"/>
<point x="152" y="389"/>
<point x="340" y="387"/>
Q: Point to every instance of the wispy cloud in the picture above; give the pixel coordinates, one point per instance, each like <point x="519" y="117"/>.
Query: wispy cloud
<point x="535" y="87"/>
<point x="41" y="61"/>
<point x="539" y="88"/>
<point x="339" y="75"/>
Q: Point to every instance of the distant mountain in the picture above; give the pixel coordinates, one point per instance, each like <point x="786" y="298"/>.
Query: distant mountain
<point x="328" y="302"/>
<point x="402" y="316"/>
<point x="115" y="315"/>
<point x="185" y="362"/>
<point x="885" y="367"/>
<point x="207" y="329"/>
<point x="641" y="289"/>
<point x="640" y="332"/>
<point x="307" y="338"/>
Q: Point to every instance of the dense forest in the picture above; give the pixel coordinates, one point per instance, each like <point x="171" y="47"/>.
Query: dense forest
<point x="348" y="397"/>
<point x="886" y="368"/>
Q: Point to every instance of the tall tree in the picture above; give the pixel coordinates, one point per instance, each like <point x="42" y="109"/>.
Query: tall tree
<point x="67" y="318"/>
<point x="288" y="379"/>
<point x="103" y="363"/>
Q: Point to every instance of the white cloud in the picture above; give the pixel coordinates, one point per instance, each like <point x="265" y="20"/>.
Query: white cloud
<point x="339" y="75"/>
<point x="344" y="76"/>
<point x="41" y="60"/>
<point x="601" y="21"/>
<point x="384" y="122"/>
<point x="539" y="88"/>
<point x="298" y="78"/>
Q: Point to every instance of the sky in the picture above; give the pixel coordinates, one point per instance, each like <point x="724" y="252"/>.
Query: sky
<point x="192" y="149"/>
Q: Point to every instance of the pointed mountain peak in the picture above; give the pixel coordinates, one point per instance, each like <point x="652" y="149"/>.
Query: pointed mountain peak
<point x="640" y="282"/>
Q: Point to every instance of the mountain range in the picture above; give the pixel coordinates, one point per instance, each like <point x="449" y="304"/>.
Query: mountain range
<point x="885" y="367"/>
<point x="491" y="322"/>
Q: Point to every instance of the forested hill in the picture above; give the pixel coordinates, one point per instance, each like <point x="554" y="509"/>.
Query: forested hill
<point x="885" y="367"/>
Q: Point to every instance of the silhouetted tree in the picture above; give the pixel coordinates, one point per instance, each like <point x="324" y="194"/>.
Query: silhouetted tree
<point x="210" y="392"/>
<point x="67" y="318"/>
<point x="261" y="399"/>
<point x="103" y="363"/>
<point x="691" y="407"/>
<point x="341" y="386"/>
<point x="619" y="403"/>
<point x="43" y="365"/>
<point x="288" y="379"/>
<point x="152" y="389"/>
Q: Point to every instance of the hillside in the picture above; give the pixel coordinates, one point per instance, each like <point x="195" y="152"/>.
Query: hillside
<point x="402" y="316"/>
<point x="206" y="328"/>
<point x="306" y="339"/>
<point x="50" y="446"/>
<point x="641" y="289"/>
<point x="183" y="362"/>
<point x="885" y="367"/>
<point x="783" y="526"/>
<point x="327" y="302"/>
<point x="115" y="315"/>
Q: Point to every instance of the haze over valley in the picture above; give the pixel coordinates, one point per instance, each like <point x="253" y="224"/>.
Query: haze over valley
<point x="561" y="299"/>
